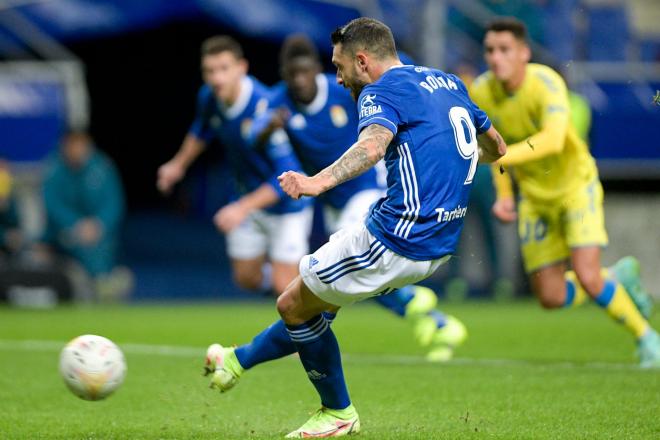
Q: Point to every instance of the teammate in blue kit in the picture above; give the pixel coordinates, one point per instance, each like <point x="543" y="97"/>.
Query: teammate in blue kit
<point x="426" y="127"/>
<point x="320" y="120"/>
<point x="262" y="223"/>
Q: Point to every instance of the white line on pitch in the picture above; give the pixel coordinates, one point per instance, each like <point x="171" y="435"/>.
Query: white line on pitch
<point x="188" y="351"/>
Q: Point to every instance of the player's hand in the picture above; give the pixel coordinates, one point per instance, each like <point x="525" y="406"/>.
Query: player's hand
<point x="297" y="185"/>
<point x="88" y="231"/>
<point x="230" y="216"/>
<point x="169" y="174"/>
<point x="279" y="119"/>
<point x="504" y="209"/>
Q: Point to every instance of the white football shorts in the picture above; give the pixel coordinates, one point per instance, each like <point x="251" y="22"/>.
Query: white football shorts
<point x="353" y="265"/>
<point x="284" y="238"/>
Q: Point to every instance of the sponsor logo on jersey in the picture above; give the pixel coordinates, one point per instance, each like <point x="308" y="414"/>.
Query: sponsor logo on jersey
<point x="313" y="262"/>
<point x="261" y="107"/>
<point x="369" y="107"/>
<point x="338" y="116"/>
<point x="447" y="216"/>
<point x="297" y="122"/>
<point x="246" y="125"/>
<point x="215" y="122"/>
<point x="368" y="100"/>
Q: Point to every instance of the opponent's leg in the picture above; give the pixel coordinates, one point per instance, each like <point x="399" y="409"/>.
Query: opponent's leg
<point x="608" y="293"/>
<point x="248" y="273"/>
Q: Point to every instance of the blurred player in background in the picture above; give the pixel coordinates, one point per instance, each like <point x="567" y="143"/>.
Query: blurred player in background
<point x="482" y="198"/>
<point x="320" y="120"/>
<point x="423" y="123"/>
<point x="560" y="211"/>
<point x="262" y="224"/>
<point x="11" y="237"/>
<point x="85" y="207"/>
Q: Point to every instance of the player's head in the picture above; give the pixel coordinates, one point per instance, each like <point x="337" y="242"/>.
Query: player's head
<point x="76" y="148"/>
<point x="223" y="66"/>
<point x="360" y="48"/>
<point x="299" y="63"/>
<point x="506" y="49"/>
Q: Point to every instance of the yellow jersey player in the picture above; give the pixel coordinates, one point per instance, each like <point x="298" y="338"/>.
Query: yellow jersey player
<point x="560" y="208"/>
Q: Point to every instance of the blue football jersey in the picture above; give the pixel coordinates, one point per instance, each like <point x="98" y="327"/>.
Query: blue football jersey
<point x="431" y="161"/>
<point x="321" y="132"/>
<point x="250" y="166"/>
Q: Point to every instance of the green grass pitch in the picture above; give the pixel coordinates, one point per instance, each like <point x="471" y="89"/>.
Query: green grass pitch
<point x="523" y="374"/>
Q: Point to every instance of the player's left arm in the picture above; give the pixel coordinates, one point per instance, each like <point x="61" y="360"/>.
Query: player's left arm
<point x="280" y="154"/>
<point x="364" y="154"/>
<point x="491" y="146"/>
<point x="554" y="121"/>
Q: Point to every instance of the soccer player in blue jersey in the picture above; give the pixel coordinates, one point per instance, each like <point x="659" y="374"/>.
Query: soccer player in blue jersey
<point x="432" y="136"/>
<point x="262" y="223"/>
<point x="320" y="120"/>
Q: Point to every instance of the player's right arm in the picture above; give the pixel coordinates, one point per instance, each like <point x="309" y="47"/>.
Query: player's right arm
<point x="364" y="154"/>
<point x="265" y="125"/>
<point x="172" y="171"/>
<point x="199" y="134"/>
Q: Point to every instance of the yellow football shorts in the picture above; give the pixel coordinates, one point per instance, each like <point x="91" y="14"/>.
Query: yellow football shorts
<point x="548" y="231"/>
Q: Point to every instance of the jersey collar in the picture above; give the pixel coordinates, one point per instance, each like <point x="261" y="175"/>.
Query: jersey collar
<point x="321" y="97"/>
<point x="241" y="103"/>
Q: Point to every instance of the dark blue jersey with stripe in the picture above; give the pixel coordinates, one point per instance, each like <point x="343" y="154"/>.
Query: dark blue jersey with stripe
<point x="251" y="166"/>
<point x="321" y="132"/>
<point x="430" y="162"/>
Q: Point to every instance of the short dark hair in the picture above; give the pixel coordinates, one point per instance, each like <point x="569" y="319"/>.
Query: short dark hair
<point x="509" y="24"/>
<point x="298" y="45"/>
<point x="366" y="34"/>
<point x="221" y="43"/>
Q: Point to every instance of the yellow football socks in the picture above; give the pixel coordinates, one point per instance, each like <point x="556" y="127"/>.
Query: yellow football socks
<point x="614" y="299"/>
<point x="575" y="294"/>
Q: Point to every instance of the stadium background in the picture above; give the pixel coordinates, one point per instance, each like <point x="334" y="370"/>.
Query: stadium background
<point x="129" y="72"/>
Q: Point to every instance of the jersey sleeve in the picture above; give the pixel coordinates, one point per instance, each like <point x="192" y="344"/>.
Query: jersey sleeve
<point x="259" y="125"/>
<point x="551" y="100"/>
<point x="281" y="156"/>
<point x="479" y="117"/>
<point x="201" y="125"/>
<point x="263" y="117"/>
<point x="501" y="181"/>
<point x="377" y="105"/>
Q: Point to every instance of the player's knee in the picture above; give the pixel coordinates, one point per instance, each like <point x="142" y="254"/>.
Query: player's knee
<point x="286" y="307"/>
<point x="551" y="302"/>
<point x="550" y="298"/>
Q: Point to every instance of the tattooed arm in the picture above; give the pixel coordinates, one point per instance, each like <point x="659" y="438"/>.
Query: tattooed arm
<point x="364" y="154"/>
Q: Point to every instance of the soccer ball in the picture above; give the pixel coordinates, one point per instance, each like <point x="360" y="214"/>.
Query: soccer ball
<point x="92" y="367"/>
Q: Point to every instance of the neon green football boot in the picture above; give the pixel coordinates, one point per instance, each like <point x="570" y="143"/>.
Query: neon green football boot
<point x="627" y="272"/>
<point x="222" y="363"/>
<point x="442" y="341"/>
<point x="423" y="302"/>
<point x="328" y="422"/>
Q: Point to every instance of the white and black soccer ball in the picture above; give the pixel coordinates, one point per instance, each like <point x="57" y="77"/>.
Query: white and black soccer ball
<point x="92" y="366"/>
